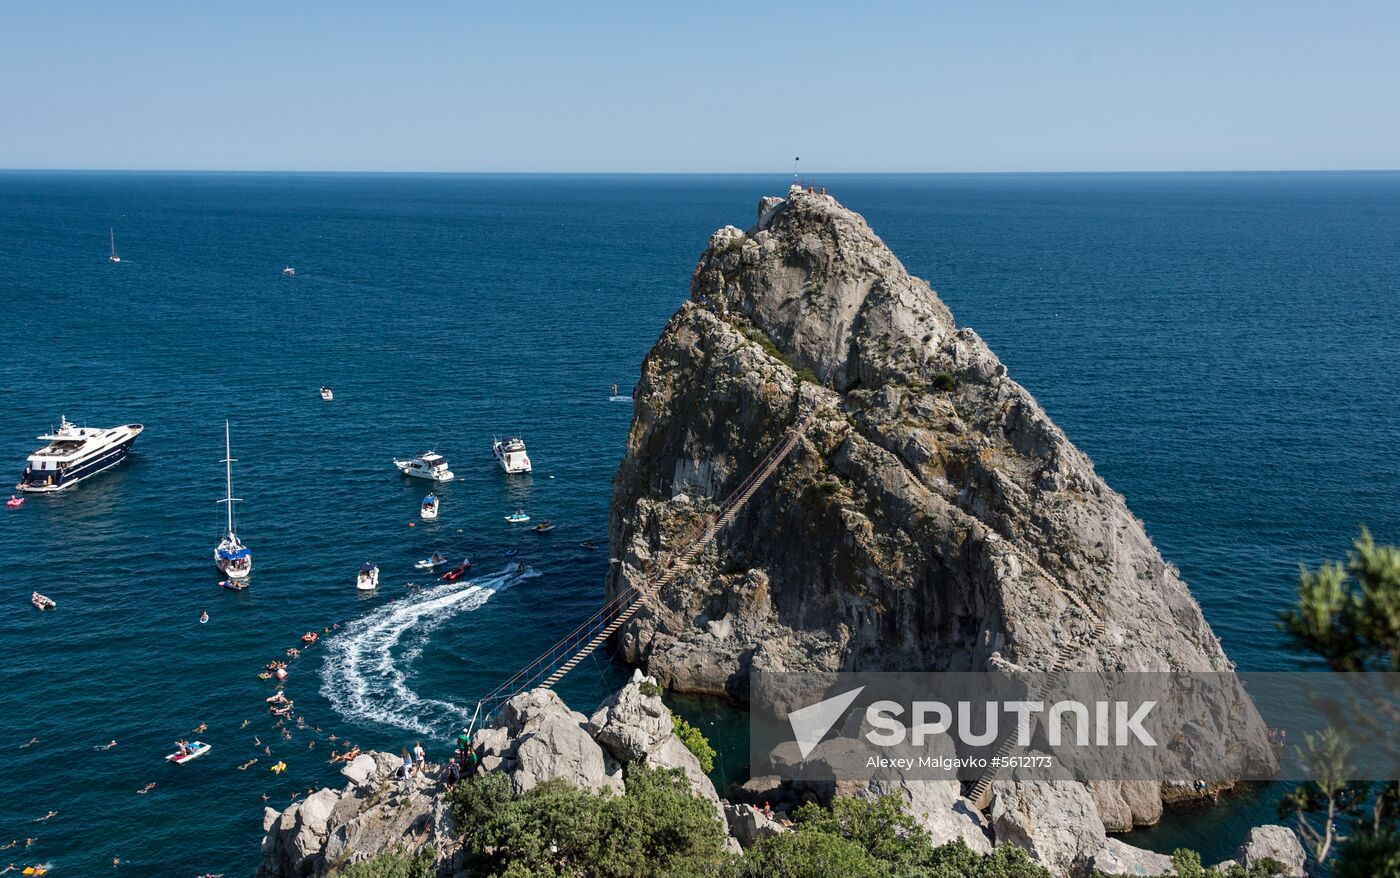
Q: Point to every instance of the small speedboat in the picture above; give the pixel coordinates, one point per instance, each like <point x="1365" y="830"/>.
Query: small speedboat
<point x="310" y="637"/>
<point x="42" y="602"/>
<point x="429" y="465"/>
<point x="368" y="580"/>
<point x="233" y="584"/>
<point x="326" y="394"/>
<point x="289" y="272"/>
<point x="429" y="510"/>
<point x="436" y="560"/>
<point x="194" y="750"/>
<point x="518" y="517"/>
<point x="458" y="572"/>
<point x="588" y="544"/>
<point x="544" y="527"/>
<point x="14" y="502"/>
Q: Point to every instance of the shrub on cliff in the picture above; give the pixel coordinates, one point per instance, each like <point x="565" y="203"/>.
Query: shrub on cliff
<point x="860" y="837"/>
<point x="393" y="865"/>
<point x="657" y="828"/>
<point x="694" y="741"/>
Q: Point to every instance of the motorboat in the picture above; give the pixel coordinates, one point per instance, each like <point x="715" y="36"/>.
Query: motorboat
<point x="429" y="510"/>
<point x="14" y="502"/>
<point x="458" y="572"/>
<point x="511" y="453"/>
<point x="589" y="544"/>
<point x="42" y="602"/>
<point x="112" y="240"/>
<point x="230" y="555"/>
<point x="544" y="527"/>
<point x="368" y="580"/>
<point x="233" y="584"/>
<point x="326" y="394"/>
<point x="188" y="752"/>
<point x="429" y="465"/>
<point x="518" y="517"/>
<point x="289" y="272"/>
<point x="75" y="453"/>
<point x="437" y="559"/>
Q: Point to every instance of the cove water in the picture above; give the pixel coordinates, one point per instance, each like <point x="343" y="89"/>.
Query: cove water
<point x="1226" y="347"/>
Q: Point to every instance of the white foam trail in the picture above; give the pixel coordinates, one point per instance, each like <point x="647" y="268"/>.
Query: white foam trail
<point x="364" y="676"/>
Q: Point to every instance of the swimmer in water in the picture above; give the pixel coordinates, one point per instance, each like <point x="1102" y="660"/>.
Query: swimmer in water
<point x="203" y="617"/>
<point x="201" y="728"/>
<point x="245" y="725"/>
<point x="32" y="742"/>
<point x="47" y="816"/>
<point x="245" y="766"/>
<point x="107" y="746"/>
<point x="146" y="789"/>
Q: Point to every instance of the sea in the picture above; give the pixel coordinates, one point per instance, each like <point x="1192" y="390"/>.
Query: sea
<point x="1225" y="346"/>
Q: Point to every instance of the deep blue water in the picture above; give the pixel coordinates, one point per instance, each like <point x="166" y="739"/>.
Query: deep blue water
<point x="1226" y="347"/>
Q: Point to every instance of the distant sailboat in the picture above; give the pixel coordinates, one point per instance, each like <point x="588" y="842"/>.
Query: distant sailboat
<point x="112" y="239"/>
<point x="231" y="556"/>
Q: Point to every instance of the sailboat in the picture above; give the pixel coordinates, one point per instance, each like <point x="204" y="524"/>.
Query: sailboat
<point x="112" y="239"/>
<point x="231" y="556"/>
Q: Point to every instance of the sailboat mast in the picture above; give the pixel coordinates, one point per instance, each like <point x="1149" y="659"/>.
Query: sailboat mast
<point x="228" y="477"/>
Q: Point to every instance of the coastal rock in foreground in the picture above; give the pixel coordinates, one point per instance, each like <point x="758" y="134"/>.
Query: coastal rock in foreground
<point x="537" y="738"/>
<point x="376" y="812"/>
<point x="932" y="518"/>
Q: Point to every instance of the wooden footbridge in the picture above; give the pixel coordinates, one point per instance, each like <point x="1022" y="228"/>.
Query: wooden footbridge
<point x="583" y="641"/>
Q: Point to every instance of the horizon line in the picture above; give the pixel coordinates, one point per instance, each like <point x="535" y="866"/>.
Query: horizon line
<point x="759" y="173"/>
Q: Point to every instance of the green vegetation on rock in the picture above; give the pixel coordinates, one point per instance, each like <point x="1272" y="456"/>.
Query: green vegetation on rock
<point x="694" y="741"/>
<point x="393" y="865"/>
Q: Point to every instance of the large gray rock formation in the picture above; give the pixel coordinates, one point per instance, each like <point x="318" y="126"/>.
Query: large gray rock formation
<point x="933" y="517"/>
<point x="1277" y="843"/>
<point x="376" y="812"/>
<point x="537" y="737"/>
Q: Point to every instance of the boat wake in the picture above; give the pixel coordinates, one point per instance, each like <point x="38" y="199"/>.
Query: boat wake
<point x="367" y="664"/>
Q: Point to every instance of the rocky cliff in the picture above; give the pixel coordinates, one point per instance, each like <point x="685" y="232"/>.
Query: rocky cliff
<point x="933" y="518"/>
<point x="536" y="737"/>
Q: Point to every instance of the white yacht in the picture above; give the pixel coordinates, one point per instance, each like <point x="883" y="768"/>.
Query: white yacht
<point x="112" y="239"/>
<point x="429" y="509"/>
<point x="429" y="465"/>
<point x="510" y="451"/>
<point x="231" y="556"/>
<point x="326" y="394"/>
<point x="74" y="453"/>
<point x="368" y="579"/>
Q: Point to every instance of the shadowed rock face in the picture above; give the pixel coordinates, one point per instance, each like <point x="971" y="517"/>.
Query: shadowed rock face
<point x="933" y="517"/>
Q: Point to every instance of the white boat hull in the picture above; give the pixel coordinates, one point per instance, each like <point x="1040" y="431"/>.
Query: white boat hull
<point x="368" y="581"/>
<point x="407" y="468"/>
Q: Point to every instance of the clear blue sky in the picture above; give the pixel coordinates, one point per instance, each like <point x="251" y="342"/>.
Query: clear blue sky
<point x="699" y="86"/>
